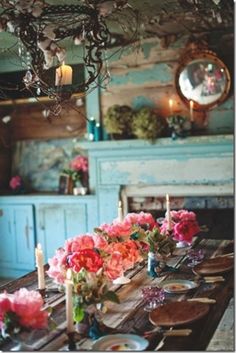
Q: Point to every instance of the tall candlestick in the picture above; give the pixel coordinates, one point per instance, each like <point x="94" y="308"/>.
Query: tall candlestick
<point x="40" y="266"/>
<point x="69" y="301"/>
<point x="171" y="106"/>
<point x="63" y="75"/>
<point x="168" y="216"/>
<point x="120" y="212"/>
<point x="191" y="111"/>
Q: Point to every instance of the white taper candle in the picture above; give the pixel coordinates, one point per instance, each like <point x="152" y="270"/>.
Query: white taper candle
<point x="40" y="266"/>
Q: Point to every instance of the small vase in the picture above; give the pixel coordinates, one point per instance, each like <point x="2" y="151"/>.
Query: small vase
<point x="92" y="325"/>
<point x="20" y="342"/>
<point x="155" y="265"/>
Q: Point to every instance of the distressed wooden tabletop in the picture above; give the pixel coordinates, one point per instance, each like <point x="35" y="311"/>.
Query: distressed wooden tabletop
<point x="130" y="317"/>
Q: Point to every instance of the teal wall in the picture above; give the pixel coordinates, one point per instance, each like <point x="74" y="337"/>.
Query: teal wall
<point x="146" y="78"/>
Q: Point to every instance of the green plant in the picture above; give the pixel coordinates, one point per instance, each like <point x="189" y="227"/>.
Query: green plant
<point x="146" y="124"/>
<point x="118" y="119"/>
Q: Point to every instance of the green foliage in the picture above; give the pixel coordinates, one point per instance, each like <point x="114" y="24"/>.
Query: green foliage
<point x="147" y="125"/>
<point x="118" y="119"/>
<point x="160" y="243"/>
<point x="75" y="175"/>
<point x="111" y="296"/>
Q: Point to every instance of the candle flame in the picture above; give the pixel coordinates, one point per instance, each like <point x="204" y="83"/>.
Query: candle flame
<point x="39" y="246"/>
<point x="170" y="102"/>
<point x="120" y="204"/>
<point x="167" y="197"/>
<point x="191" y="104"/>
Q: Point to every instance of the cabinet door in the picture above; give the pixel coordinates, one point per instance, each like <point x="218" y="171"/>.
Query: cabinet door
<point x="17" y="240"/>
<point x="56" y="223"/>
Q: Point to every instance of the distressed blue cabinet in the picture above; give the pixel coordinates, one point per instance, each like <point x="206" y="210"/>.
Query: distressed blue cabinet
<point x="56" y="223"/>
<point x="17" y="240"/>
<point x="26" y="220"/>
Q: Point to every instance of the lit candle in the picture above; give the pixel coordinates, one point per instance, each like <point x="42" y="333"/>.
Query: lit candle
<point x="63" y="75"/>
<point x="191" y="111"/>
<point x="120" y="212"/>
<point x="171" y="106"/>
<point x="69" y="301"/>
<point x="40" y="266"/>
<point x="168" y="216"/>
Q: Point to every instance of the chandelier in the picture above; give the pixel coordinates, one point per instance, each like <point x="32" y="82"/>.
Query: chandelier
<point x="41" y="29"/>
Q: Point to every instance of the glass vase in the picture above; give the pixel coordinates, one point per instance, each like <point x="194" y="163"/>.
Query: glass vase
<point x="155" y="264"/>
<point x="92" y="325"/>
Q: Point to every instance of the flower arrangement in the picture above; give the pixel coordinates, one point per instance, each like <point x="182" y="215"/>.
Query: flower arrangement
<point x="16" y="184"/>
<point x="92" y="270"/>
<point x="179" y="126"/>
<point x="22" y="311"/>
<point x="184" y="225"/>
<point x="78" y="169"/>
<point x="139" y="231"/>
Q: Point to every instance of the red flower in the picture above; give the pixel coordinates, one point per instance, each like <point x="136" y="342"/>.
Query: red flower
<point x="88" y="259"/>
<point x="185" y="230"/>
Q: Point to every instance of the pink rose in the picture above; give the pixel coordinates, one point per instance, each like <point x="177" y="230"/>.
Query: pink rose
<point x="15" y="182"/>
<point x="79" y="164"/>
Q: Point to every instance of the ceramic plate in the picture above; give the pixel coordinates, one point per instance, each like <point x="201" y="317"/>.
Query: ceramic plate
<point x="120" y="342"/>
<point x="213" y="266"/>
<point x="178" y="285"/>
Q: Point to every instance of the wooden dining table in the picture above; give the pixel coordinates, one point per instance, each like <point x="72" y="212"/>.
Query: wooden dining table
<point x="130" y="317"/>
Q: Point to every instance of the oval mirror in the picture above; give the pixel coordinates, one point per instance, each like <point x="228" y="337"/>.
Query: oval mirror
<point x="203" y="78"/>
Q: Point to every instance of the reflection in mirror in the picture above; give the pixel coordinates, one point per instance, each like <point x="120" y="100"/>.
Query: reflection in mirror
<point x="204" y="79"/>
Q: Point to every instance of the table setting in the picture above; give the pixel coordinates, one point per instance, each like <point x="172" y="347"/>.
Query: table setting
<point x="169" y="290"/>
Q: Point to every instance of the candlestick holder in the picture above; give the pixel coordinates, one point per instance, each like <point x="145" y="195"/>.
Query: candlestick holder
<point x="71" y="341"/>
<point x="43" y="293"/>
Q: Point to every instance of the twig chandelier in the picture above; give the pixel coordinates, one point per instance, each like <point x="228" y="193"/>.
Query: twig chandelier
<point x="39" y="28"/>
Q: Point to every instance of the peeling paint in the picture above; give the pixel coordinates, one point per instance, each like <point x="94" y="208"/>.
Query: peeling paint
<point x="158" y="72"/>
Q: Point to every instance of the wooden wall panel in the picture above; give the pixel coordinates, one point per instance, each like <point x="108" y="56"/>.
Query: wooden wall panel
<point x="28" y="122"/>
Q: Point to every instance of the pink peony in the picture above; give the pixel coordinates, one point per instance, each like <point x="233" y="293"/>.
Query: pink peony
<point x="5" y="306"/>
<point x="114" y="266"/>
<point x="15" y="182"/>
<point x="58" y="266"/>
<point x="117" y="229"/>
<point x="141" y="219"/>
<point x="79" y="242"/>
<point x="99" y="242"/>
<point x="129" y="251"/>
<point x="27" y="305"/>
<point x="185" y="230"/>
<point x="88" y="259"/>
<point x="79" y="164"/>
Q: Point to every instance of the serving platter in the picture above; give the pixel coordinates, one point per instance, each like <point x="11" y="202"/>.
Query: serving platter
<point x="121" y="342"/>
<point x="178" y="313"/>
<point x="213" y="266"/>
<point x="178" y="285"/>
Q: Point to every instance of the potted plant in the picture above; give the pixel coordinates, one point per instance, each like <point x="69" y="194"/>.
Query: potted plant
<point x="146" y="124"/>
<point x="118" y="120"/>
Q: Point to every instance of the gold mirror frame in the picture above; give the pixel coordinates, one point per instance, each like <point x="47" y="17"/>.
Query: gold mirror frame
<point x="203" y="98"/>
